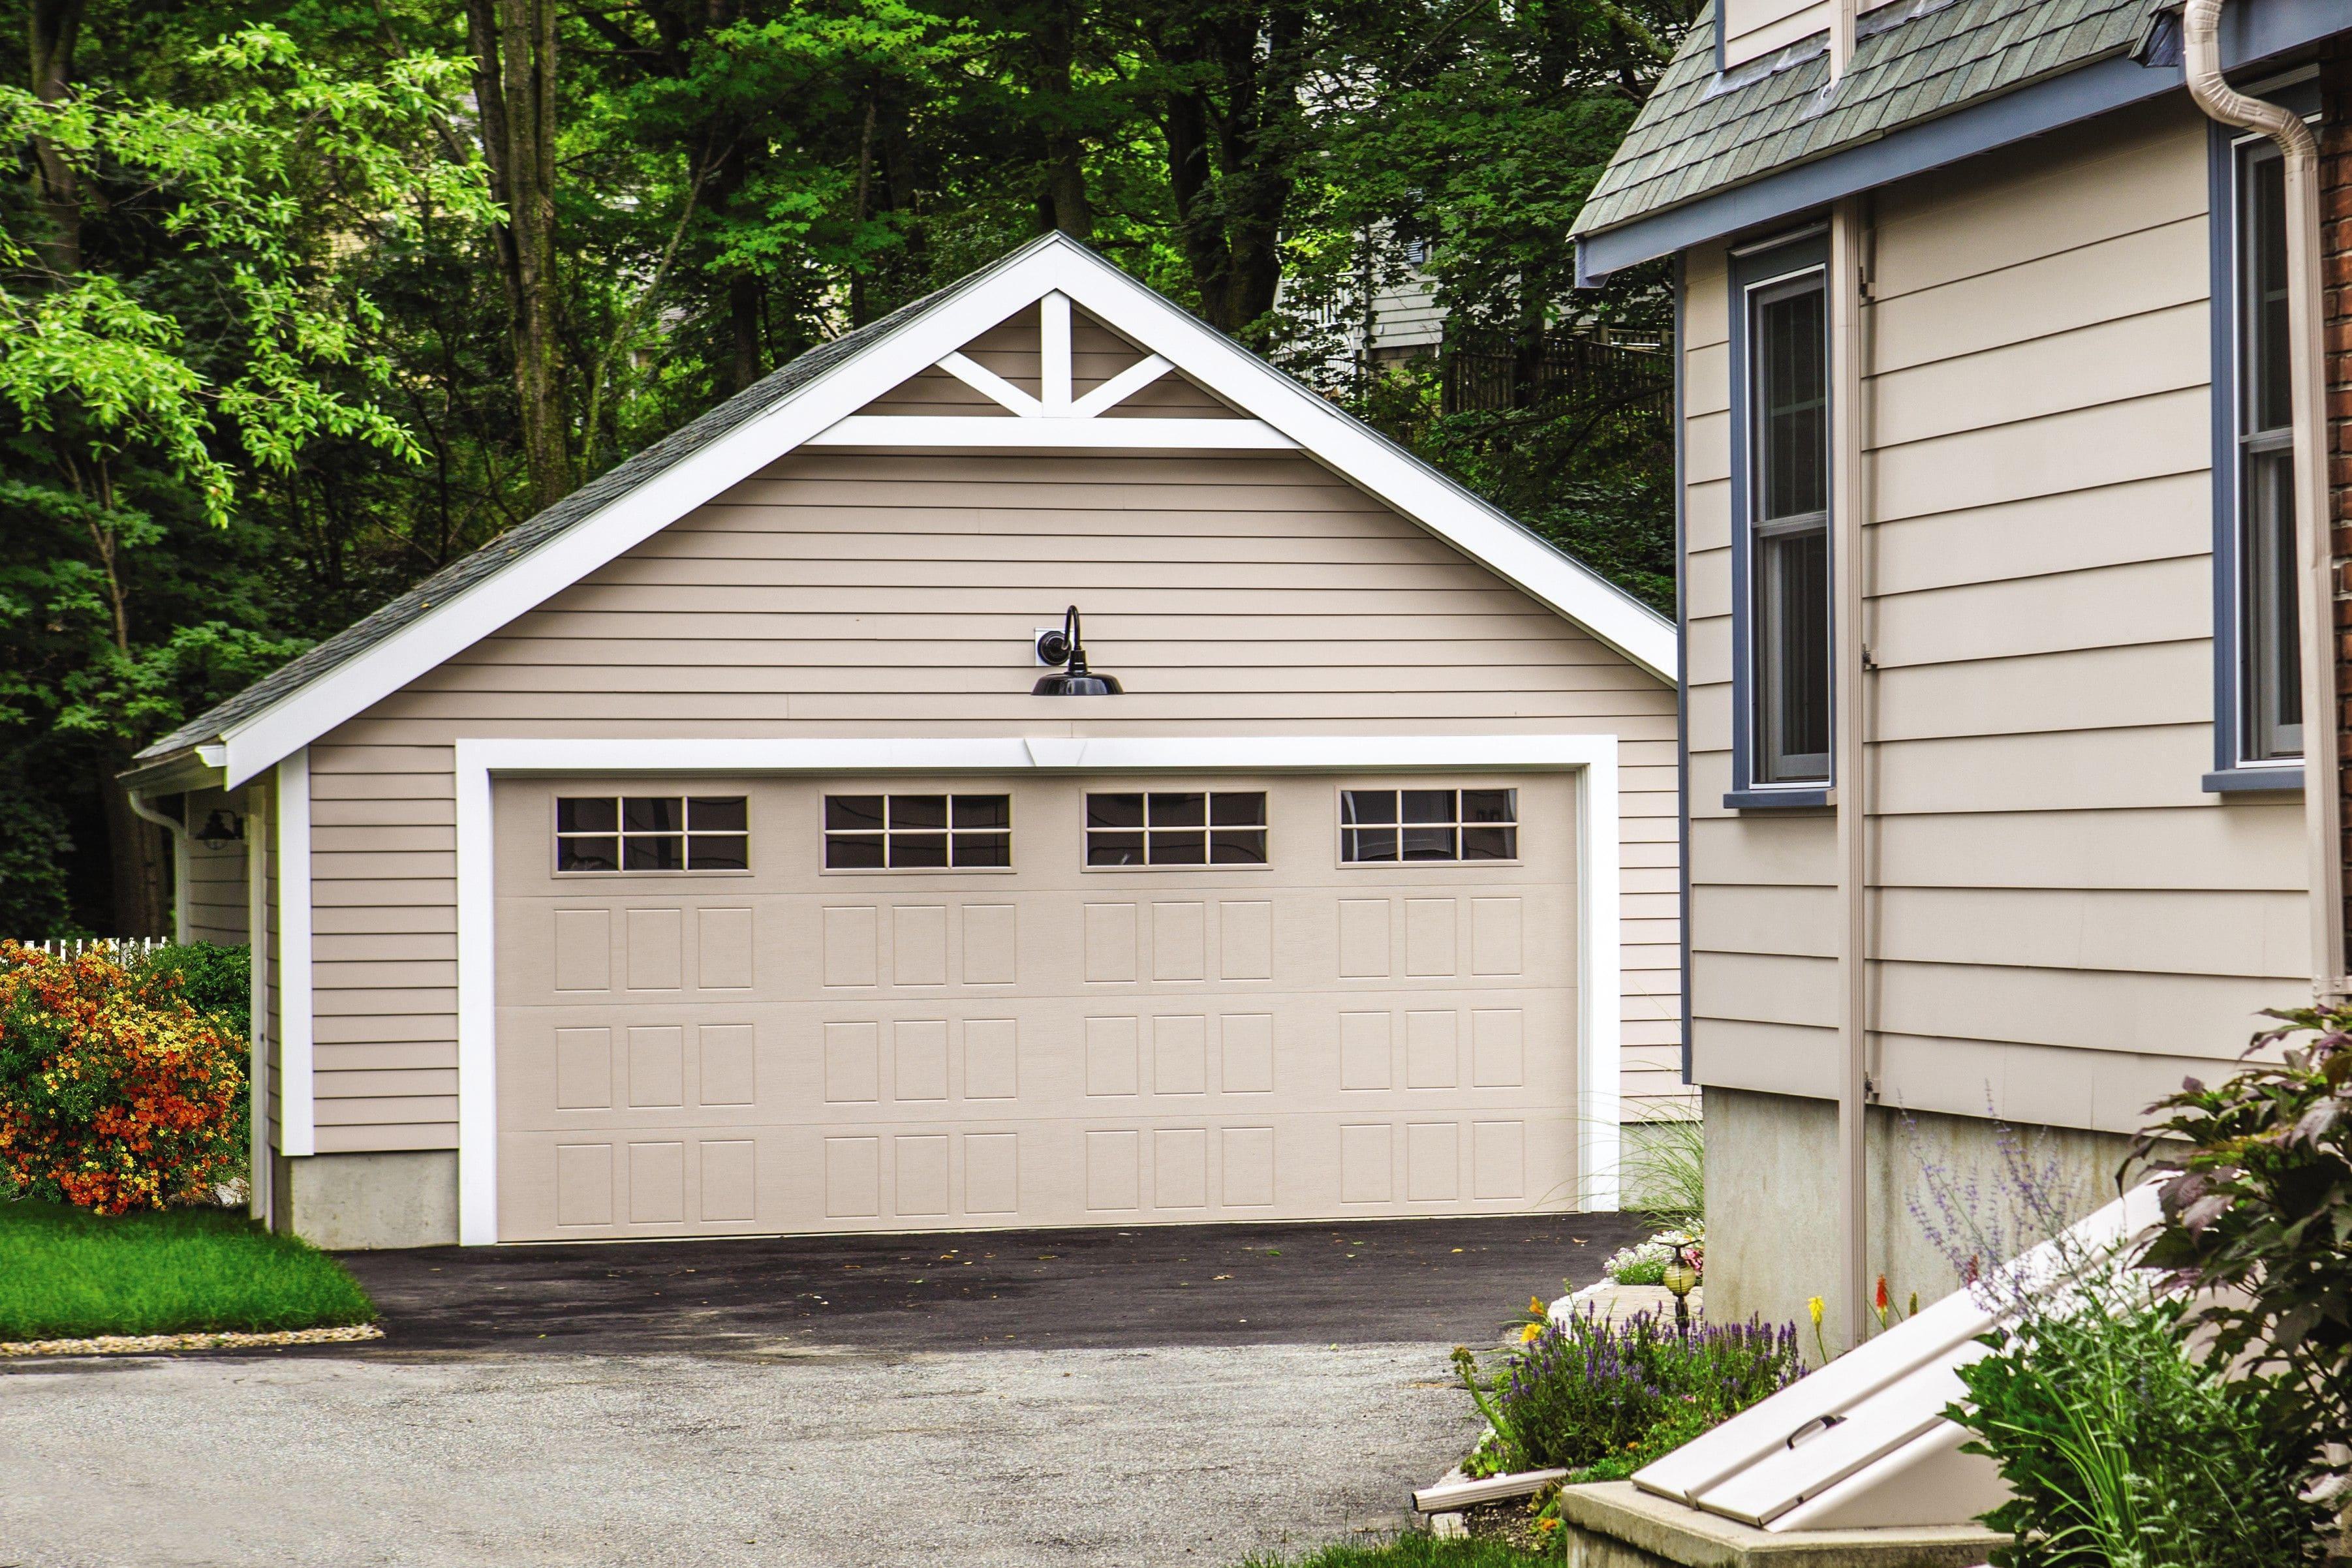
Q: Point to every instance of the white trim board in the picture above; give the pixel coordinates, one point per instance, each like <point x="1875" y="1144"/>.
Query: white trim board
<point x="297" y="1111"/>
<point x="894" y="432"/>
<point x="1600" y="912"/>
<point x="1051" y="266"/>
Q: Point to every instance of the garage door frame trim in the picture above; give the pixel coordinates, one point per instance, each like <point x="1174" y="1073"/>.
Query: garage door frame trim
<point x="1599" y="913"/>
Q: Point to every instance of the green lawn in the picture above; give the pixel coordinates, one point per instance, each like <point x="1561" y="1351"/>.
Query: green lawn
<point x="66" y="1273"/>
<point x="1412" y="1551"/>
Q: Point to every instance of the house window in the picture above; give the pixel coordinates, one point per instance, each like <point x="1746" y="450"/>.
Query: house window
<point x="1787" y="522"/>
<point x="918" y="832"/>
<point x="2268" y="677"/>
<point x="1378" y="826"/>
<point x="652" y="833"/>
<point x="1177" y="827"/>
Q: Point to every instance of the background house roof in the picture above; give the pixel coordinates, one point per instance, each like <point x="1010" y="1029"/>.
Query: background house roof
<point x="1702" y="131"/>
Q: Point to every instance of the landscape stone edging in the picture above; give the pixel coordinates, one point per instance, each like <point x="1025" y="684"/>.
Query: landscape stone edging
<point x="147" y="1344"/>
<point x="1613" y="1524"/>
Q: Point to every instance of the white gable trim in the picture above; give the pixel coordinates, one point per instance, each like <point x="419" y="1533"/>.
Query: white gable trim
<point x="898" y="432"/>
<point x="1599" y="910"/>
<point x="1050" y="265"/>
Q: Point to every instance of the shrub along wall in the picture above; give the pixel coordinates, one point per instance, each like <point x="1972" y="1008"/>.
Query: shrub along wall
<point x="117" y="1090"/>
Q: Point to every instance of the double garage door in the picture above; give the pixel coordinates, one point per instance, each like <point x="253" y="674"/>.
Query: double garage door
<point x="758" y="1005"/>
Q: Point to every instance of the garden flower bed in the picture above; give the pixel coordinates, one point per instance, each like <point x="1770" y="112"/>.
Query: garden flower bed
<point x="1599" y="1398"/>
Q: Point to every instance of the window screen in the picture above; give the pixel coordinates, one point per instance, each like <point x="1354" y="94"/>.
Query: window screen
<point x="1177" y="827"/>
<point x="2268" y="676"/>
<point x="918" y="832"/>
<point x="652" y="832"/>
<point x="1789" y="541"/>
<point x="1380" y="825"/>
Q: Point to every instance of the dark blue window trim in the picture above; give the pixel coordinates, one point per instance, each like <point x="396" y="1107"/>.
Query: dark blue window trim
<point x="1799" y="255"/>
<point x="2231" y="775"/>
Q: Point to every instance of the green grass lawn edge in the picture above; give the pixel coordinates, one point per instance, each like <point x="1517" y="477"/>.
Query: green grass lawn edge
<point x="1412" y="1549"/>
<point x="66" y="1273"/>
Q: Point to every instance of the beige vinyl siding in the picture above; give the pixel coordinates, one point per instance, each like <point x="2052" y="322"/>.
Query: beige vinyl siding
<point x="1753" y="29"/>
<point x="1756" y="28"/>
<point x="842" y="594"/>
<point x="216" y="892"/>
<point x="2066" y="923"/>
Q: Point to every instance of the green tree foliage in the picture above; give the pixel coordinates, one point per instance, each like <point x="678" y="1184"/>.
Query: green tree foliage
<point x="302" y="299"/>
<point x="2123" y="1451"/>
<point x="176" y="326"/>
<point x="2257" y="1175"/>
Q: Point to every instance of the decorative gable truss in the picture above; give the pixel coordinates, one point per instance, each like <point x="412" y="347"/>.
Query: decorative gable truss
<point x="805" y="408"/>
<point x="1055" y="418"/>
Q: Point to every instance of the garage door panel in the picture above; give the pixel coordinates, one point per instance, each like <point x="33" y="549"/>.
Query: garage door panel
<point x="793" y="1049"/>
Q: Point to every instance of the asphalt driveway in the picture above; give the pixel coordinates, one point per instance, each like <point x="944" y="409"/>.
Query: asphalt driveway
<point x="1039" y="1398"/>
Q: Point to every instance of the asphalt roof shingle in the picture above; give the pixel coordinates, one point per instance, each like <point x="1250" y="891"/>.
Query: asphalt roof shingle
<point x="1913" y="60"/>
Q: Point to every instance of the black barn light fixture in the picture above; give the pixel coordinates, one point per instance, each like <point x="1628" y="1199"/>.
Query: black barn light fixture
<point x="1067" y="648"/>
<point x="221" y="830"/>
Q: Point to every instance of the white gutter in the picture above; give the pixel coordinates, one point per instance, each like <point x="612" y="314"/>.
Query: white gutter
<point x="2299" y="155"/>
<point x="179" y="831"/>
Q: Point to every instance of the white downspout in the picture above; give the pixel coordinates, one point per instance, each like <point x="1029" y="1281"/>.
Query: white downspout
<point x="2299" y="155"/>
<point x="1844" y="14"/>
<point x="179" y="831"/>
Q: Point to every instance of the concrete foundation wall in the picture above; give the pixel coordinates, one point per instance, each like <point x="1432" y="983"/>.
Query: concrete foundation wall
<point x="368" y="1201"/>
<point x="1772" y="1199"/>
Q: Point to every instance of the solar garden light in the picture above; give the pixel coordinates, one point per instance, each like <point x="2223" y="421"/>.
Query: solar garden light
<point x="1067" y="648"/>
<point x="1680" y="1277"/>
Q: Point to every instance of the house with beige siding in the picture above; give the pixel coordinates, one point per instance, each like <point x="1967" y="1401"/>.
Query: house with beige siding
<point x="2006" y="592"/>
<point x="1026" y="763"/>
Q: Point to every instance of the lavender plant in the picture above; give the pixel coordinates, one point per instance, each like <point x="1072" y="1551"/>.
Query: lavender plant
<point x="1605" y="1398"/>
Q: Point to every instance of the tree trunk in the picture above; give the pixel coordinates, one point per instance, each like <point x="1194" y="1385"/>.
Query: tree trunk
<point x="57" y="188"/>
<point x="1199" y="231"/>
<point x="1065" y="205"/>
<point x="514" y="85"/>
<point x="134" y="847"/>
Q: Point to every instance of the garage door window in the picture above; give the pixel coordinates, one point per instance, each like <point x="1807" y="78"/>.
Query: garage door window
<point x="1384" y="826"/>
<point x="918" y="832"/>
<point x="651" y="833"/>
<point x="1177" y="827"/>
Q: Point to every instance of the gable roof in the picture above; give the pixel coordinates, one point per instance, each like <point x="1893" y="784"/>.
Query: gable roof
<point x="1702" y="131"/>
<point x="475" y="596"/>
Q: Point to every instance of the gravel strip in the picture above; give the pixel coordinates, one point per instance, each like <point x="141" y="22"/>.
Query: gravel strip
<point x="149" y="1344"/>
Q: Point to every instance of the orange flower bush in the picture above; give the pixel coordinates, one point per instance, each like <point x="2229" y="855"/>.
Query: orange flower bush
<point x="114" y="1092"/>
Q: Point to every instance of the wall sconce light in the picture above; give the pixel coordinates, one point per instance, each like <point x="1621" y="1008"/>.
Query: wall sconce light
<point x="1065" y="647"/>
<point x="221" y="830"/>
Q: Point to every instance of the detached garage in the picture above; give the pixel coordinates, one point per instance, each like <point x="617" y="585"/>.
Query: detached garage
<point x="754" y="844"/>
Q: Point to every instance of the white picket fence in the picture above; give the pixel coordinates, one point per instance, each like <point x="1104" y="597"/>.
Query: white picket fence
<point x="67" y="946"/>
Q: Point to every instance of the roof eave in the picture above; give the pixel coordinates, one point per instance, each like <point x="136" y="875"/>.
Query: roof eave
<point x="2102" y="84"/>
<point x="200" y="767"/>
